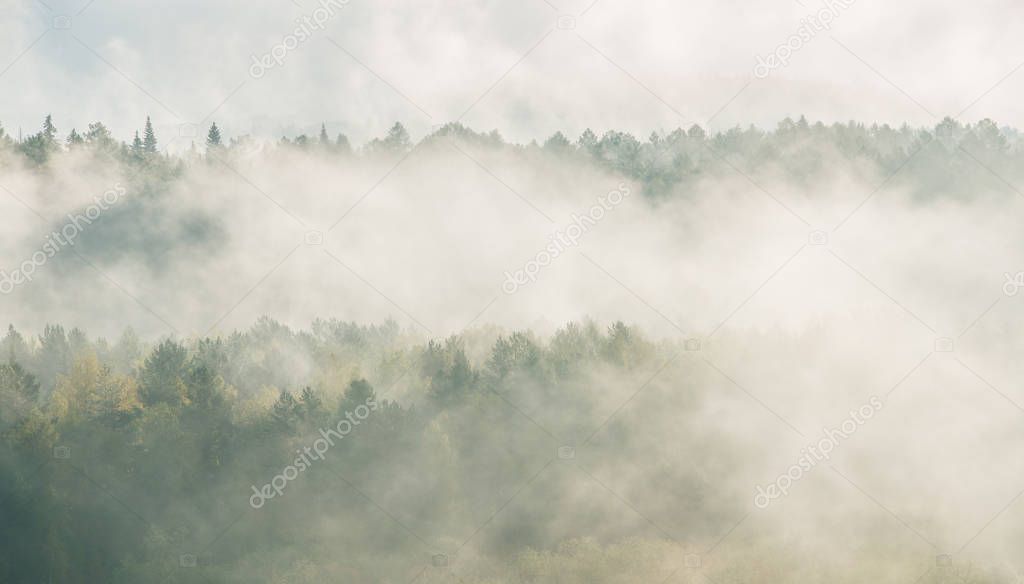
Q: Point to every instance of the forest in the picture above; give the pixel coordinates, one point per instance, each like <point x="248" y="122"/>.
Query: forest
<point x="963" y="153"/>
<point x="378" y="450"/>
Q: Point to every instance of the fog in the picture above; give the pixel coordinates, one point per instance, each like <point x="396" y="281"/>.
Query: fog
<point x="503" y="65"/>
<point x="427" y="237"/>
<point x="626" y="410"/>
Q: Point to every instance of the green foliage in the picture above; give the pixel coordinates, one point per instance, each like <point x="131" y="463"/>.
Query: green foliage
<point x="213" y="137"/>
<point x="19" y="393"/>
<point x="138" y="150"/>
<point x="38" y="148"/>
<point x="166" y="439"/>
<point x="396" y="141"/>
<point x="74" y="139"/>
<point x="932" y="161"/>
<point x="451" y="377"/>
<point x="149" y="140"/>
<point x="99" y="137"/>
<point x="161" y="378"/>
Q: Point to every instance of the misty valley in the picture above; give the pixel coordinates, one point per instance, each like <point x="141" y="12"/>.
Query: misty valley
<point x="744" y="355"/>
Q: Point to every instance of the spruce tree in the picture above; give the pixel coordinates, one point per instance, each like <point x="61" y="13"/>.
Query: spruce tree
<point x="149" y="141"/>
<point x="213" y="139"/>
<point x="137" y="146"/>
<point x="49" y="131"/>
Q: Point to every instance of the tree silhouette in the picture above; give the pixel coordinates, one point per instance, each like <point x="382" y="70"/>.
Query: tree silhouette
<point x="213" y="138"/>
<point x="149" y="140"/>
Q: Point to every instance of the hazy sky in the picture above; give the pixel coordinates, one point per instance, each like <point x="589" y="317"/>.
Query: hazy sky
<point x="527" y="68"/>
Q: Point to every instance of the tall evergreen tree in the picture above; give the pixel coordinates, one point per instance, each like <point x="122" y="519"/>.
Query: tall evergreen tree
<point x="39" y="147"/>
<point x="149" y="140"/>
<point x="49" y="131"/>
<point x="213" y="139"/>
<point x="137" y="147"/>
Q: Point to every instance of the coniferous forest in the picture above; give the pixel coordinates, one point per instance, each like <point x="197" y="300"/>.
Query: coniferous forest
<point x="643" y="427"/>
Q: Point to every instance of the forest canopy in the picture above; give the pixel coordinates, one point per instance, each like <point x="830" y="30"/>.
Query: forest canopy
<point x="443" y="443"/>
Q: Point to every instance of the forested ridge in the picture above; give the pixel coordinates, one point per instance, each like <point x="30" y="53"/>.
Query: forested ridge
<point x="364" y="450"/>
<point x="952" y="157"/>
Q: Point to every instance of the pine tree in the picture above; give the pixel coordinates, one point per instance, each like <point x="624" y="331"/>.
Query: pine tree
<point x="74" y="138"/>
<point x="398" y="138"/>
<point x="213" y="139"/>
<point x="557" y="143"/>
<point x="358" y="393"/>
<point x="39" y="147"/>
<point x="137" y="146"/>
<point x="149" y="142"/>
<point x="49" y="131"/>
<point x="324" y="140"/>
<point x="15" y="348"/>
<point x="342" y="145"/>
<point x="285" y="409"/>
<point x="161" y="377"/>
<point x="311" y="403"/>
<point x="99" y="137"/>
<point x="587" y="140"/>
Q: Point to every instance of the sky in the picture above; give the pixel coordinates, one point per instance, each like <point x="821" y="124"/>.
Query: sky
<point x="527" y="68"/>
